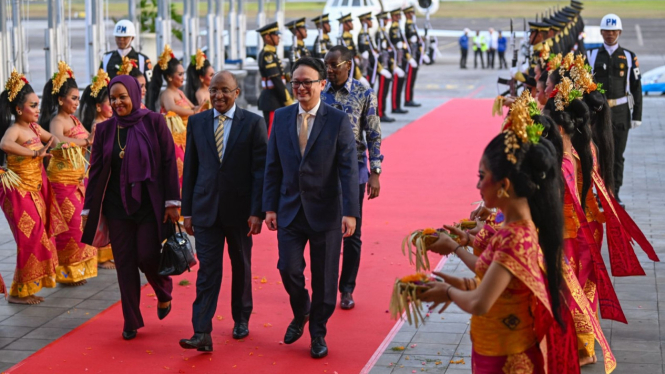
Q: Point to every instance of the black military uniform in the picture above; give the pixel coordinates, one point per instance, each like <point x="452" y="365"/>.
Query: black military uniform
<point x="416" y="46"/>
<point x="347" y="41"/>
<point x="112" y="61"/>
<point x="387" y="60"/>
<point x="619" y="75"/>
<point x="322" y="43"/>
<point x="402" y="60"/>
<point x="274" y="94"/>
<point x="298" y="48"/>
<point x="369" y="62"/>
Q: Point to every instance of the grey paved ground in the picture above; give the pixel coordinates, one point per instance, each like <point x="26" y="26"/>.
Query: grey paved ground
<point x="24" y="330"/>
<point x="636" y="346"/>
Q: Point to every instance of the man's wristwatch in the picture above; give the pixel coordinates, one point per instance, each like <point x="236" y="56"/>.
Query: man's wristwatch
<point x="376" y="171"/>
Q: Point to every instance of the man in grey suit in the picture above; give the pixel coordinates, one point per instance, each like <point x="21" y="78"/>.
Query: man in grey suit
<point x="221" y="201"/>
<point x="310" y="195"/>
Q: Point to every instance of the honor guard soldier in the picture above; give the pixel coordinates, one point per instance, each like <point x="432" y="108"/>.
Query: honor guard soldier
<point x="124" y="33"/>
<point x="299" y="31"/>
<point x="387" y="60"/>
<point x="403" y="59"/>
<point x="346" y="39"/>
<point x="618" y="70"/>
<point x="274" y="94"/>
<point x="322" y="43"/>
<point x="417" y="47"/>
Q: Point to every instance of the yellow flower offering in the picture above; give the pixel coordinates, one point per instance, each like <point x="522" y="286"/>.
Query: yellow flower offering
<point x="404" y="299"/>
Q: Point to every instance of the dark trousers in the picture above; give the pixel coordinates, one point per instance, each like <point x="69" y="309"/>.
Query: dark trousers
<point x="351" y="256"/>
<point x="620" y="141"/>
<point x="462" y="60"/>
<point x="411" y="76"/>
<point x="620" y="128"/>
<point x="324" y="251"/>
<point x="136" y="246"/>
<point x="477" y="53"/>
<point x="490" y="58"/>
<point x="210" y="251"/>
<point x="382" y="94"/>
<point x="502" y="60"/>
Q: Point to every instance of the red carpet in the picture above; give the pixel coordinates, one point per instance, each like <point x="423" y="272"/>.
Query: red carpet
<point x="429" y="179"/>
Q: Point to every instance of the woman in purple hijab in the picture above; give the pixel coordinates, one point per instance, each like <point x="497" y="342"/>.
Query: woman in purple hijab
<point x="132" y="192"/>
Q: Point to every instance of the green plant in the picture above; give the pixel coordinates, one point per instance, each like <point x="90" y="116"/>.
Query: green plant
<point x="148" y="16"/>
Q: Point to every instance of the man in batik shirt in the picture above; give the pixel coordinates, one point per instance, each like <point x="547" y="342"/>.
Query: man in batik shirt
<point x="359" y="102"/>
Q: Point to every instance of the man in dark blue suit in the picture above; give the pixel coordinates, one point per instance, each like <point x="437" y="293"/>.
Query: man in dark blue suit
<point x="221" y="201"/>
<point x="310" y="195"/>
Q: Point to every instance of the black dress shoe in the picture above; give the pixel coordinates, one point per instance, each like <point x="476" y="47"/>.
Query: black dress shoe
<point x="412" y="104"/>
<point x="347" y="301"/>
<point x="295" y="329"/>
<point x="129" y="335"/>
<point x="200" y="341"/>
<point x="163" y="312"/>
<point x="240" y="330"/>
<point x="319" y="348"/>
<point x="387" y="119"/>
<point x="400" y="111"/>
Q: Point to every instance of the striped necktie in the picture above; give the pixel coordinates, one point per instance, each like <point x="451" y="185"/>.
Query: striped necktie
<point x="219" y="136"/>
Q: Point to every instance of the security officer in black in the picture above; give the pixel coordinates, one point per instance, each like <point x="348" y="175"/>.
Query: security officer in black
<point x="368" y="53"/>
<point x="274" y="94"/>
<point x="416" y="46"/>
<point x="403" y="60"/>
<point x="322" y="43"/>
<point x="125" y="33"/>
<point x="618" y="70"/>
<point x="298" y="48"/>
<point x="387" y="60"/>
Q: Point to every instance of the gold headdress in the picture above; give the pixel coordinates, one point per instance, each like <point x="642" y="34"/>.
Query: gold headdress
<point x="126" y="66"/>
<point x="165" y="57"/>
<point x="554" y="62"/>
<point x="564" y="93"/>
<point x="15" y="84"/>
<point x="580" y="72"/>
<point x="100" y="81"/>
<point x="519" y="127"/>
<point x="59" y="78"/>
<point x="198" y="59"/>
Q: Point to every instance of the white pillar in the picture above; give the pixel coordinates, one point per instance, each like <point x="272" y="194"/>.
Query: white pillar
<point x="220" y="52"/>
<point x="5" y="62"/>
<point x="133" y="12"/>
<point x="163" y="24"/>
<point x="233" y="31"/>
<point x="279" y="17"/>
<point x="186" y="32"/>
<point x="242" y="31"/>
<point x="260" y="21"/>
<point x="91" y="40"/>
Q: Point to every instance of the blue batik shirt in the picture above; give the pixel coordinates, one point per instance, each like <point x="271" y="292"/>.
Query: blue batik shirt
<point x="360" y="103"/>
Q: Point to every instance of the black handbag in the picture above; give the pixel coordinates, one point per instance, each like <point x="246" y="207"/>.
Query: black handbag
<point x="177" y="255"/>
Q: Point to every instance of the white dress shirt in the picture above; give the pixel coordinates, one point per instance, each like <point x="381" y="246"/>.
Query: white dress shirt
<point x="611" y="48"/>
<point x="227" y="125"/>
<point x="310" y="120"/>
<point x="124" y="52"/>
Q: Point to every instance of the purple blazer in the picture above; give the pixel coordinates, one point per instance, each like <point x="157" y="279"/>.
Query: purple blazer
<point x="163" y="188"/>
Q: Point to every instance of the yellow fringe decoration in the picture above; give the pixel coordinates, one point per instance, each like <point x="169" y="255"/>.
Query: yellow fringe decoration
<point x="9" y="179"/>
<point x="497" y="108"/>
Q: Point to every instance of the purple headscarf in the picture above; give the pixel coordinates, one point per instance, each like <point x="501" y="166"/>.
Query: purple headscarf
<point x="138" y="152"/>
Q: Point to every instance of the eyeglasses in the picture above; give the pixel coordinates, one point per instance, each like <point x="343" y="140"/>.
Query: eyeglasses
<point x="225" y="91"/>
<point x="335" y="67"/>
<point x="306" y="84"/>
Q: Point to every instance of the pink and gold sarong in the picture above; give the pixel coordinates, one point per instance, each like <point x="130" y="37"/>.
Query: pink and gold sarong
<point x="178" y="126"/>
<point x="34" y="217"/>
<point x="66" y="171"/>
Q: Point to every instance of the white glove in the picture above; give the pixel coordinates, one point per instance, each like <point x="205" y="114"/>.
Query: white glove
<point x="385" y="73"/>
<point x="364" y="82"/>
<point x="384" y="45"/>
<point x="365" y="55"/>
<point x="399" y="45"/>
<point x="413" y="63"/>
<point x="635" y="124"/>
<point x="399" y="72"/>
<point x="426" y="59"/>
<point x="413" y="39"/>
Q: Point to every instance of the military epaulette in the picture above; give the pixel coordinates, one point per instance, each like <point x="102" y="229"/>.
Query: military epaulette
<point x="269" y="48"/>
